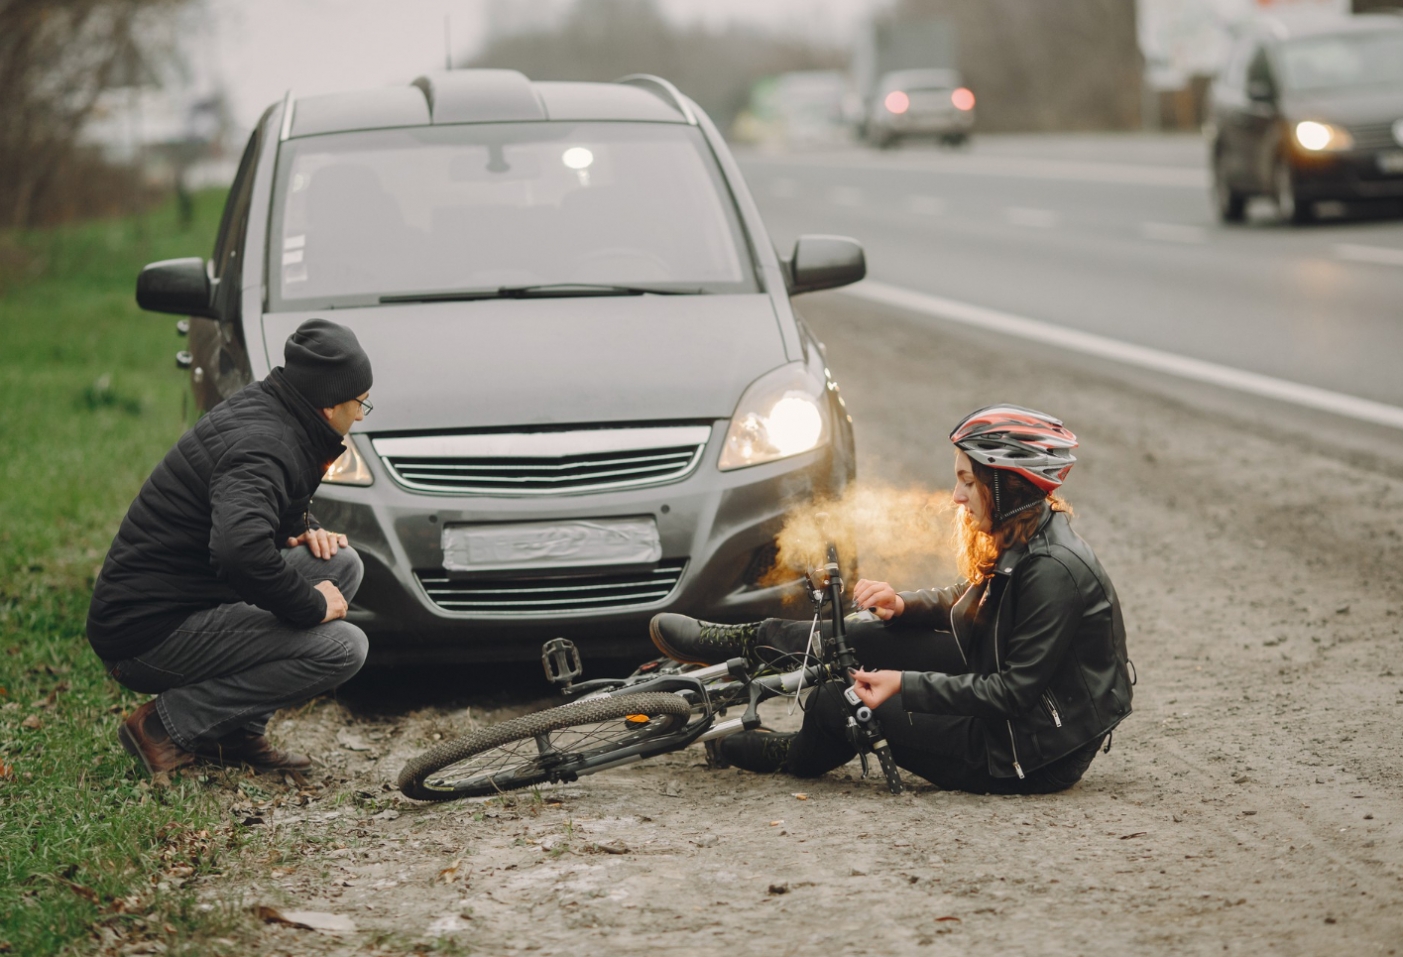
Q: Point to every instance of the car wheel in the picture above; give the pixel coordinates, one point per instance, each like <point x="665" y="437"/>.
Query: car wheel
<point x="1230" y="204"/>
<point x="1289" y="206"/>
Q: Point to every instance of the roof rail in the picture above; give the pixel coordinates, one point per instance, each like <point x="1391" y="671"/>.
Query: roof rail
<point x="289" y="104"/>
<point x="668" y="91"/>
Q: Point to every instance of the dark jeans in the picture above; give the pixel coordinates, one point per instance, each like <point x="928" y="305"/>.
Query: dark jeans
<point x="232" y="666"/>
<point x="947" y="750"/>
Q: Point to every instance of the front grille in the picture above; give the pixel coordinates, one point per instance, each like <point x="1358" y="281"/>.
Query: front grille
<point x="1373" y="136"/>
<point x="543" y="463"/>
<point x="541" y="595"/>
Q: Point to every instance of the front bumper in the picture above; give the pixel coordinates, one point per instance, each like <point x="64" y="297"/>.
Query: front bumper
<point x="721" y="524"/>
<point x="1353" y="175"/>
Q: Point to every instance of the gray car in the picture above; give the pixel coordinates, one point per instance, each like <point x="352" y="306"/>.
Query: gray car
<point x="593" y="398"/>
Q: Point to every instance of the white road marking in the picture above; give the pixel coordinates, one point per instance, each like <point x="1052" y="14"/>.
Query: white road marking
<point x="1382" y="255"/>
<point x="784" y="188"/>
<point x="1174" y="233"/>
<point x="1182" y="177"/>
<point x="845" y="196"/>
<point x="1311" y="397"/>
<point x="925" y="205"/>
<point x="1037" y="218"/>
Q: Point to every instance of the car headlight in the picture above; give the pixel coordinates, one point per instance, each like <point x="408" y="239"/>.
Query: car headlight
<point x="350" y="468"/>
<point x="783" y="413"/>
<point x="1322" y="137"/>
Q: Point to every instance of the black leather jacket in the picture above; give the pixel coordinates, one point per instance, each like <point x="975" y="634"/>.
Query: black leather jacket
<point x="1045" y="644"/>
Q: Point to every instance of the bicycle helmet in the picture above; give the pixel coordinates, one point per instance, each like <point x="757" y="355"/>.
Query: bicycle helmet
<point x="1011" y="438"/>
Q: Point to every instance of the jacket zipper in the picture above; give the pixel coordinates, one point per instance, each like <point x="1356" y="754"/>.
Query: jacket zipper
<point x="955" y="632"/>
<point x="1052" y="708"/>
<point x="1017" y="768"/>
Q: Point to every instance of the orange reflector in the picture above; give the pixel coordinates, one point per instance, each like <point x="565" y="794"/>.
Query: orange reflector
<point x="962" y="99"/>
<point x="897" y="102"/>
<point x="637" y="719"/>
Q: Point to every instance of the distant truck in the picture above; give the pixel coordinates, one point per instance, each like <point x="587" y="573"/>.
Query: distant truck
<point x="906" y="72"/>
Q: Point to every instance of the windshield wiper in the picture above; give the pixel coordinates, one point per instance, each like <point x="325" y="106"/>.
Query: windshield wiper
<point x="541" y="291"/>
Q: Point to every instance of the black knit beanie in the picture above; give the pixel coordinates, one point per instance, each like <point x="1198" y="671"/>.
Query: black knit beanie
<point x="324" y="362"/>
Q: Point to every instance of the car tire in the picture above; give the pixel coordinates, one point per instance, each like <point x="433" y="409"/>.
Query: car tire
<point x="1230" y="204"/>
<point x="1289" y="206"/>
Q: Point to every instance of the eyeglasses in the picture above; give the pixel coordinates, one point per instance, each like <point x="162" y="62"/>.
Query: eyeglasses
<point x="366" y="407"/>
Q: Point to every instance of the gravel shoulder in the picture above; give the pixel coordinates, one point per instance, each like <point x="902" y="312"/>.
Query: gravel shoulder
<point x="1253" y="803"/>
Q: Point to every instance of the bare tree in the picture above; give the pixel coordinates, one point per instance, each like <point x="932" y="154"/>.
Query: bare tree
<point x="1046" y="64"/>
<point x="57" y="57"/>
<point x="605" y="39"/>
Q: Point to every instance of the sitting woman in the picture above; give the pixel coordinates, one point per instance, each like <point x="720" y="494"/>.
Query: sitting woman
<point x="1006" y="683"/>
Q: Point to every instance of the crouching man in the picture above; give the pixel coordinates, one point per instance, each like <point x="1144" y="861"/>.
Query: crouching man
<point x="221" y="595"/>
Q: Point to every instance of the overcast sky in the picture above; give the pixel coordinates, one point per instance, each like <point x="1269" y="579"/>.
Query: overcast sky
<point x="259" y="49"/>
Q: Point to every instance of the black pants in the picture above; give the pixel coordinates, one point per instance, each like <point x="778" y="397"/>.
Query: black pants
<point x="947" y="750"/>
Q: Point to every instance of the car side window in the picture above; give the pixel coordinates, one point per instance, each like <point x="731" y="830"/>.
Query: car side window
<point x="1260" y="82"/>
<point x="229" y="243"/>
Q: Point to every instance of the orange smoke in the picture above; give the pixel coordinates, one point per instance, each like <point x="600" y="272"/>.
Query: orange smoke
<point x="902" y="536"/>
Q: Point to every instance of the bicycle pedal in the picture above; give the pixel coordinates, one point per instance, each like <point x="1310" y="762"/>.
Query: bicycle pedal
<point x="714" y="758"/>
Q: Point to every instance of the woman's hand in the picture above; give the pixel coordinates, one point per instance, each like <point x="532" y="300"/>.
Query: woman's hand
<point x="322" y="543"/>
<point x="880" y="597"/>
<point x="874" y="687"/>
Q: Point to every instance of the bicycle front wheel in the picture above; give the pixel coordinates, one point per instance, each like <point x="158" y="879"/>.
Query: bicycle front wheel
<point x="557" y="744"/>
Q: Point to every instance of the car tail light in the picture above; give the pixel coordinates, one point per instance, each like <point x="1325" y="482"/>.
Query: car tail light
<point x="897" y="102"/>
<point x="963" y="99"/>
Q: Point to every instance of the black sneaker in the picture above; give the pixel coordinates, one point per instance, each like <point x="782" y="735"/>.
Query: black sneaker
<point x="760" y="751"/>
<point x="702" y="642"/>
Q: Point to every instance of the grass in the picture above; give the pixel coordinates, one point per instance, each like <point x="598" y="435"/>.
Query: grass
<point x="92" y="855"/>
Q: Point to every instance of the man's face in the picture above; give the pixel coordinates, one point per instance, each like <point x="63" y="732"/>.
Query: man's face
<point x="342" y="417"/>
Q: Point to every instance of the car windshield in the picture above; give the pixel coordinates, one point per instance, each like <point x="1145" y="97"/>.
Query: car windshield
<point x="437" y="211"/>
<point x="1343" y="60"/>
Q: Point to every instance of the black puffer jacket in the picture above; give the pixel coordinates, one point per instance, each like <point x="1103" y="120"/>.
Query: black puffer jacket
<point x="207" y="526"/>
<point x="1045" y="644"/>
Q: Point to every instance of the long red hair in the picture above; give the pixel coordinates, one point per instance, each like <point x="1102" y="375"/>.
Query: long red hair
<point x="976" y="551"/>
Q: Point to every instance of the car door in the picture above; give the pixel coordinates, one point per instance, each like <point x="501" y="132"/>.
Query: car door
<point x="1230" y="105"/>
<point x="220" y="364"/>
<point x="1261" y="123"/>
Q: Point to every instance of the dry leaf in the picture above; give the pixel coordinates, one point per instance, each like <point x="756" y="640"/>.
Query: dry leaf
<point x="613" y="847"/>
<point x="955" y="919"/>
<point x="450" y="873"/>
<point x="32" y="722"/>
<point x="307" y="919"/>
<point x="351" y="741"/>
<point x="802" y="797"/>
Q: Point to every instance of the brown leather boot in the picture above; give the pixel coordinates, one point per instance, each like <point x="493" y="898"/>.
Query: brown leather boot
<point x="145" y="737"/>
<point x="244" y="747"/>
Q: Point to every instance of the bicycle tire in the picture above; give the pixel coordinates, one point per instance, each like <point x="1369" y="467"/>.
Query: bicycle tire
<point x="511" y="770"/>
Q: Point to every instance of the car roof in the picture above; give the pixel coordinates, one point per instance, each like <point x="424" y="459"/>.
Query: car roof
<point x="485" y="96"/>
<point x="933" y="76"/>
<point x="1311" y="24"/>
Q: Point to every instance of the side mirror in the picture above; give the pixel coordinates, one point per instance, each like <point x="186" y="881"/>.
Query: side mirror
<point x="825" y="262"/>
<point x="1261" y="91"/>
<point x="180" y="286"/>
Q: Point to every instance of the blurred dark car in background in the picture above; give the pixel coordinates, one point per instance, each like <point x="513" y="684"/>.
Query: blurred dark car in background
<point x="1309" y="111"/>
<point x="593" y="398"/>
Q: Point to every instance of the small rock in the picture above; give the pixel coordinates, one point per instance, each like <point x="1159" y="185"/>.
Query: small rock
<point x="706" y="840"/>
<point x="779" y="888"/>
<point x="672" y="789"/>
<point x="389" y="814"/>
<point x="1342" y="610"/>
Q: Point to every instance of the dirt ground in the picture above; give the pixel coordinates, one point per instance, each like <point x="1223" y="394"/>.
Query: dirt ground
<point x="1253" y="803"/>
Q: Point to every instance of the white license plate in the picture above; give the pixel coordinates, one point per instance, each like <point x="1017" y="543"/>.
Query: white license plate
<point x="1391" y="162"/>
<point x="524" y="546"/>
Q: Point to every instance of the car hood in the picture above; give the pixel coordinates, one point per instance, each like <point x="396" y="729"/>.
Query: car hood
<point x="534" y="362"/>
<point x="1348" y="107"/>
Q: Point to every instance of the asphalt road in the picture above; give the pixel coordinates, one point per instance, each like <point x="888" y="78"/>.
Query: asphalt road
<point x="1113" y="236"/>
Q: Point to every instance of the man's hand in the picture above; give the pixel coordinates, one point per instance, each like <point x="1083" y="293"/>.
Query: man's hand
<point x="322" y="543"/>
<point x="874" y="687"/>
<point x="335" y="601"/>
<point x="880" y="597"/>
